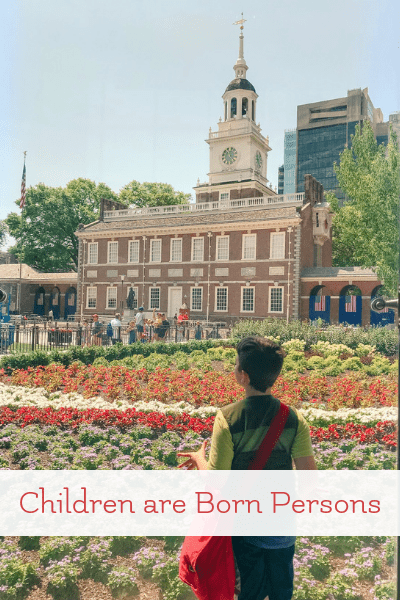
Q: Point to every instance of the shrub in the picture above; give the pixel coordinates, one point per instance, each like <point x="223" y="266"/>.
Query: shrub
<point x="120" y="545"/>
<point x="122" y="580"/>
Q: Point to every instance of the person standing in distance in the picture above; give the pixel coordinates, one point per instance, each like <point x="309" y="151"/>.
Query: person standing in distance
<point x="265" y="563"/>
<point x="139" y="319"/>
<point x="116" y="328"/>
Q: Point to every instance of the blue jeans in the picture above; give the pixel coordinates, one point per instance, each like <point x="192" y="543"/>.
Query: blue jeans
<point x="263" y="571"/>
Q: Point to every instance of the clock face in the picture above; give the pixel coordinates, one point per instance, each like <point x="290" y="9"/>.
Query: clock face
<point x="258" y="160"/>
<point x="229" y="155"/>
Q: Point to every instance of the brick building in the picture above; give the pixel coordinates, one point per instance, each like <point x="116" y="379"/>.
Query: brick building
<point x="240" y="251"/>
<point x="30" y="291"/>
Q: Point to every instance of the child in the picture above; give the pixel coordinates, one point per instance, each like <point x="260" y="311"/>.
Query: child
<point x="265" y="563"/>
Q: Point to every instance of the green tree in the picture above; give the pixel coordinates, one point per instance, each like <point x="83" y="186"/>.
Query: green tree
<point x="45" y="231"/>
<point x="151" y="194"/>
<point x="366" y="227"/>
<point x="3" y="232"/>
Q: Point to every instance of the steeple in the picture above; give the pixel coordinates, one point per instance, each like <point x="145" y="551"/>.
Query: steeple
<point x="240" y="66"/>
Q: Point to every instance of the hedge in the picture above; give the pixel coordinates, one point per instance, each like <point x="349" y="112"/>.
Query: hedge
<point x="385" y="340"/>
<point x="88" y="354"/>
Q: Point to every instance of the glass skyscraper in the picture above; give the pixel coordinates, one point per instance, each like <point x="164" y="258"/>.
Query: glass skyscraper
<point x="325" y="128"/>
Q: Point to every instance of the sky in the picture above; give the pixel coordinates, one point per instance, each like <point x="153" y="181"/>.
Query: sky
<point x="123" y="90"/>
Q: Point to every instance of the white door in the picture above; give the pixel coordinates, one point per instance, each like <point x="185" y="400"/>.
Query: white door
<point x="174" y="301"/>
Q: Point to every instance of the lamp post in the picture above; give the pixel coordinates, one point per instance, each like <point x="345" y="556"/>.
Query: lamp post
<point x="122" y="293"/>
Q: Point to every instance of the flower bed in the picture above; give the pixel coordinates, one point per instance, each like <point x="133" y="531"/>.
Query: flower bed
<point x="354" y="568"/>
<point x="352" y="415"/>
<point x="203" y="388"/>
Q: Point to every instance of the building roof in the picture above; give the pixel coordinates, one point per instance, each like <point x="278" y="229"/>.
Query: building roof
<point x="240" y="84"/>
<point x="13" y="272"/>
<point x="338" y="272"/>
<point x="266" y="214"/>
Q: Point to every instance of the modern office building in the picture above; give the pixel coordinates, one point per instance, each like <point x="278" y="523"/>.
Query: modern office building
<point x="325" y="128"/>
<point x="289" y="162"/>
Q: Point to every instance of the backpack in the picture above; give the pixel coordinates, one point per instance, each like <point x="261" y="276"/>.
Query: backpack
<point x="109" y="330"/>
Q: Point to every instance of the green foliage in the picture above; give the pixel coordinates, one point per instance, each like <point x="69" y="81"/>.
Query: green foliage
<point x="294" y="345"/>
<point x="16" y="576"/>
<point x="3" y="232"/>
<point x="352" y="364"/>
<point x="57" y="547"/>
<point x="151" y="194"/>
<point x="365" y="350"/>
<point x="365" y="229"/>
<point x="121" y="545"/>
<point x="385" y="590"/>
<point x="89" y="354"/>
<point x="31" y="542"/>
<point x="339" y="545"/>
<point x="380" y="365"/>
<point x="341" y="586"/>
<point x="122" y="581"/>
<point x="45" y="231"/>
<point x="166" y="575"/>
<point x="385" y="340"/>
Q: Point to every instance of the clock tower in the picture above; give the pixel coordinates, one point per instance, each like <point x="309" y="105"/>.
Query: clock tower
<point x="238" y="151"/>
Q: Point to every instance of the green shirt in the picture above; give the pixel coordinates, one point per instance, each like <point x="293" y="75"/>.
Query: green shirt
<point x="239" y="429"/>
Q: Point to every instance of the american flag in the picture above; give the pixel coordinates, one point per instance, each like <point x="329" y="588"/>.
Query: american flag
<point x="23" y="189"/>
<point x="350" y="304"/>
<point x="319" y="305"/>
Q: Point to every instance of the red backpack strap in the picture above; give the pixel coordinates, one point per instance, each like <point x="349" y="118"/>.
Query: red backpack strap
<point x="270" y="439"/>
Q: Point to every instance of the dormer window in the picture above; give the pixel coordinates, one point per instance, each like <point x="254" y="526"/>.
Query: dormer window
<point x="233" y="108"/>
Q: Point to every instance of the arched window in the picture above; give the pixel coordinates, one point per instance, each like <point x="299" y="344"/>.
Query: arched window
<point x="55" y="296"/>
<point x="38" y="307"/>
<point x="253" y="110"/>
<point x="70" y="302"/>
<point x="226" y="111"/>
<point x="245" y="106"/>
<point x="233" y="107"/>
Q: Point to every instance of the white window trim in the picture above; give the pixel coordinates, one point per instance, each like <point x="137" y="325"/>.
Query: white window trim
<point x="158" y="240"/>
<point x="247" y="287"/>
<point x="279" y="287"/>
<point x="108" y="298"/>
<point x="179" y="260"/>
<point x="222" y="193"/>
<point x="191" y="298"/>
<point x="221" y="287"/>
<point x="111" y="262"/>
<point x="273" y="236"/>
<point x="249" y="235"/>
<point x="159" y="298"/>
<point x="89" y="262"/>
<point x="192" y="250"/>
<point x="92" y="287"/>
<point x="133" y="262"/>
<point x="218" y="237"/>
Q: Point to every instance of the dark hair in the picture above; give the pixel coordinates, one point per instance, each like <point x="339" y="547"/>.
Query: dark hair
<point x="261" y="359"/>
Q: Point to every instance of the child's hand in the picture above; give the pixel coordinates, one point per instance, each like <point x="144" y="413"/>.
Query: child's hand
<point x="196" y="460"/>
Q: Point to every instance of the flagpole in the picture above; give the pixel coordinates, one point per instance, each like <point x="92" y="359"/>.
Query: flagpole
<point x="22" y="205"/>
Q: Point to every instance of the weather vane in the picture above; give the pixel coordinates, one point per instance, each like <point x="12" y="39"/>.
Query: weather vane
<point x="240" y="22"/>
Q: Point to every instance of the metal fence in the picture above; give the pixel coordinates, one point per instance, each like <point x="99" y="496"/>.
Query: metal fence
<point x="26" y="337"/>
